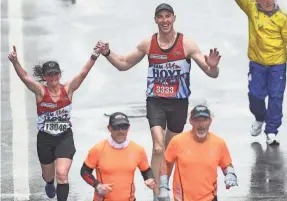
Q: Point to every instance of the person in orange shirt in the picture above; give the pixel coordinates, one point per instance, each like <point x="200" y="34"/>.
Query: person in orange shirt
<point x="197" y="153"/>
<point x="115" y="160"/>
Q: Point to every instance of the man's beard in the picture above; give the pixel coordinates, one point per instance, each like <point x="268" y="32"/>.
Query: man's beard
<point x="201" y="135"/>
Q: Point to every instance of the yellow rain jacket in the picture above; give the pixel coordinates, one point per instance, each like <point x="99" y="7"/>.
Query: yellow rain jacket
<point x="267" y="35"/>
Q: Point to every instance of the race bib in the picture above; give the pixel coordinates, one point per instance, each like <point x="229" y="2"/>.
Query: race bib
<point x="55" y="128"/>
<point x="165" y="90"/>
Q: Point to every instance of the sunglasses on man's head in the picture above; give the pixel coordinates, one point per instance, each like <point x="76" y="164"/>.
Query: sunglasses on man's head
<point x="123" y="127"/>
<point x="201" y="109"/>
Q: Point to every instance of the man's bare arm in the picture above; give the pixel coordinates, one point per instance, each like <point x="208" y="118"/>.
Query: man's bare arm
<point x="192" y="51"/>
<point x="123" y="63"/>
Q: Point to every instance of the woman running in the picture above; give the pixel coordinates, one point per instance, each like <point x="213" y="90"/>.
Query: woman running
<point x="55" y="141"/>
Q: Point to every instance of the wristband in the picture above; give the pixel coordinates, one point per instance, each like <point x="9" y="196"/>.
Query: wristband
<point x="94" y="56"/>
<point x="109" y="52"/>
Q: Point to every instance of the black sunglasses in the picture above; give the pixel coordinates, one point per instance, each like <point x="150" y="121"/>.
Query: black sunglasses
<point x="123" y="127"/>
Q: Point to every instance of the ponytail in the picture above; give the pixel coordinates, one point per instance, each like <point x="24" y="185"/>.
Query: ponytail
<point x="38" y="73"/>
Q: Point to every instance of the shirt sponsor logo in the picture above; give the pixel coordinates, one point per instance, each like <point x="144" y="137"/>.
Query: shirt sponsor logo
<point x="157" y="56"/>
<point x="177" y="53"/>
<point x="49" y="105"/>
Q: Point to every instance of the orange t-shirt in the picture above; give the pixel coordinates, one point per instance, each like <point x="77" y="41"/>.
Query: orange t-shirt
<point x="195" y="174"/>
<point x="117" y="166"/>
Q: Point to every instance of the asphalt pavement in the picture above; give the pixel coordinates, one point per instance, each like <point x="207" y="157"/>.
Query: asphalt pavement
<point x="67" y="31"/>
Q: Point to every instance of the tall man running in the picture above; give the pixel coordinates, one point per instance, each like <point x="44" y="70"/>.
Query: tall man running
<point x="267" y="67"/>
<point x="169" y="55"/>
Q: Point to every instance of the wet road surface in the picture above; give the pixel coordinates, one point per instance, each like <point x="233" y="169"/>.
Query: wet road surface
<point x="67" y="31"/>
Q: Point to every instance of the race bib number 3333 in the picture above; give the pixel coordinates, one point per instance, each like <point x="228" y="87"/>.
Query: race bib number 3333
<point x="165" y="90"/>
<point x="55" y="127"/>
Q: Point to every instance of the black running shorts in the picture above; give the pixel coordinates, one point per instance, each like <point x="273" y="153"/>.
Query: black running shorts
<point x="51" y="147"/>
<point x="170" y="113"/>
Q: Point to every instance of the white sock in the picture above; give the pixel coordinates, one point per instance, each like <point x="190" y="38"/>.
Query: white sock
<point x="163" y="190"/>
<point x="163" y="180"/>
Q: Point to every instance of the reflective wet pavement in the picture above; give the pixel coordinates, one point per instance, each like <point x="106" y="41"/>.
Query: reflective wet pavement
<point x="66" y="32"/>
